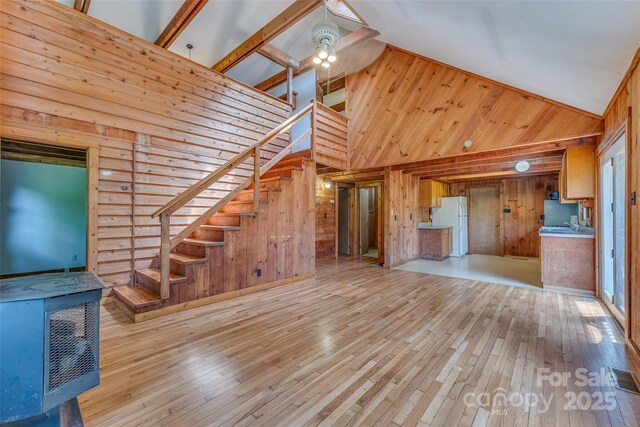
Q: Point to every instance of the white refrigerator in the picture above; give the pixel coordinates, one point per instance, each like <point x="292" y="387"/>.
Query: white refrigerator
<point x="453" y="213"/>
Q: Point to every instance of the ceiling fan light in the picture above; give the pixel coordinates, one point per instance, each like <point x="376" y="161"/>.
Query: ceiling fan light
<point x="322" y="54"/>
<point x="522" y="166"/>
<point x="317" y="60"/>
<point x="332" y="54"/>
<point x="325" y="64"/>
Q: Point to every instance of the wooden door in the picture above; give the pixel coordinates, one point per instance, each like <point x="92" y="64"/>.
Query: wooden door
<point x="484" y="221"/>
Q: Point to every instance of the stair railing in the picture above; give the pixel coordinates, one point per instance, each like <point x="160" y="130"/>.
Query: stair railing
<point x="167" y="243"/>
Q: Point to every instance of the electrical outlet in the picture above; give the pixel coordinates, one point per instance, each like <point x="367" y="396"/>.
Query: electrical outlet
<point x="258" y="272"/>
<point x="74" y="257"/>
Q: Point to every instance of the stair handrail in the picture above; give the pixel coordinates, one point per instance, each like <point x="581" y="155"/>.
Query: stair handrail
<point x="167" y="243"/>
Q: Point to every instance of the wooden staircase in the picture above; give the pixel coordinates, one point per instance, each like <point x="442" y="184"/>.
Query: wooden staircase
<point x="199" y="267"/>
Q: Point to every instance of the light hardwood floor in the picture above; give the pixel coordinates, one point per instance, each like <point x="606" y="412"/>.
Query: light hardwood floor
<point x="360" y="345"/>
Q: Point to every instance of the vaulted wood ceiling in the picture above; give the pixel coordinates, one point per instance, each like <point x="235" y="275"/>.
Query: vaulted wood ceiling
<point x="406" y="108"/>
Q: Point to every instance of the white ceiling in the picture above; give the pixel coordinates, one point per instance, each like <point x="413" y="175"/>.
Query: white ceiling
<point x="574" y="52"/>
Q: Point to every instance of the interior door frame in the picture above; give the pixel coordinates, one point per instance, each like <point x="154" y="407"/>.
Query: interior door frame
<point x="350" y="194"/>
<point x="92" y="157"/>
<point x="380" y="217"/>
<point x="622" y="128"/>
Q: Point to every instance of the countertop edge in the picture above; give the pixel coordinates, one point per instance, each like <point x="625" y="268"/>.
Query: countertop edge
<point x="569" y="236"/>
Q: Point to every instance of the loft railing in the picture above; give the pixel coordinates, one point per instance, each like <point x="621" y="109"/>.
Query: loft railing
<point x="167" y="243"/>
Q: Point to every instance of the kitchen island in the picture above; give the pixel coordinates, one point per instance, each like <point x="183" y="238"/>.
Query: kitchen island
<point x="567" y="258"/>
<point x="435" y="242"/>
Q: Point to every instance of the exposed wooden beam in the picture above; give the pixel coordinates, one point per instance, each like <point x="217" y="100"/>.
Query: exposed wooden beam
<point x="294" y="13"/>
<point x="278" y="56"/>
<point x="539" y="147"/>
<point x="351" y="39"/>
<point x="508" y="161"/>
<point x="499" y="174"/>
<point x="495" y="175"/>
<point x="182" y="18"/>
<point x="82" y="5"/>
<point x="551" y="165"/>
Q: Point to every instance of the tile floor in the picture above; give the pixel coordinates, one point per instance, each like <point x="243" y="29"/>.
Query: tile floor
<point x="487" y="268"/>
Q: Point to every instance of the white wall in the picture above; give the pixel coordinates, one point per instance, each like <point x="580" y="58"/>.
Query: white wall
<point x="42" y="217"/>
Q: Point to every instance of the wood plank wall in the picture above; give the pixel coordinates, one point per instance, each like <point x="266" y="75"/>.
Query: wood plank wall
<point x="326" y="219"/>
<point x="525" y="197"/>
<point x="406" y="108"/>
<point x="624" y="110"/>
<point x="400" y="200"/>
<point x="331" y="138"/>
<point x="161" y="122"/>
<point x="279" y="240"/>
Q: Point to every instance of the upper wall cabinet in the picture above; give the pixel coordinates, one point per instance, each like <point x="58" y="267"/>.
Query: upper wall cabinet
<point x="577" y="174"/>
<point x="432" y="192"/>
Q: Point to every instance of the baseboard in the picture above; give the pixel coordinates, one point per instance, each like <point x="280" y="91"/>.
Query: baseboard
<point x="141" y="317"/>
<point x="570" y="291"/>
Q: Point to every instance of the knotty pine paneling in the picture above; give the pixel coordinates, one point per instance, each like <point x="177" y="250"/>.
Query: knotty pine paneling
<point x="624" y="107"/>
<point x="406" y="108"/>
<point x="279" y="240"/>
<point x="400" y="199"/>
<point x="325" y="219"/>
<point x="525" y="197"/>
<point x="160" y="122"/>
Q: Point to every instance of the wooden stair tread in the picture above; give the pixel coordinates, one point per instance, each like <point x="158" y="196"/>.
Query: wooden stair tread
<point x="200" y="242"/>
<point x="235" y="202"/>
<point x="285" y="168"/>
<point x="235" y="214"/>
<point x="154" y="274"/>
<point x="262" y="190"/>
<point x="136" y="296"/>
<point x="274" y="178"/>
<point x="220" y="227"/>
<point x="186" y="258"/>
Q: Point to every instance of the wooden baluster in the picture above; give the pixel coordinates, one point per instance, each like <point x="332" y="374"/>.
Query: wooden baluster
<point x="256" y="178"/>
<point x="313" y="130"/>
<point x="165" y="249"/>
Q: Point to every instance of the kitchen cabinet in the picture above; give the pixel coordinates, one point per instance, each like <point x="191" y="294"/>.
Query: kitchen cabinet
<point x="432" y="192"/>
<point x="568" y="262"/>
<point x="577" y="175"/>
<point x="435" y="243"/>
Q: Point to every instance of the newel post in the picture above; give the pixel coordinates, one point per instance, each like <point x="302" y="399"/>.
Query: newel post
<point x="165" y="249"/>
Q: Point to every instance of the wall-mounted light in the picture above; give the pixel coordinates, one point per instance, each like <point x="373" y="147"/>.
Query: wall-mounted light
<point x="522" y="166"/>
<point x="327" y="183"/>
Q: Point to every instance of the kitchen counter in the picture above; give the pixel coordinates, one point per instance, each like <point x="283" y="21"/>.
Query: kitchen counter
<point x="428" y="226"/>
<point x="583" y="233"/>
<point x="567" y="260"/>
<point x="435" y="243"/>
